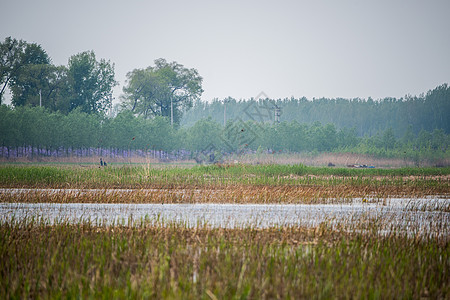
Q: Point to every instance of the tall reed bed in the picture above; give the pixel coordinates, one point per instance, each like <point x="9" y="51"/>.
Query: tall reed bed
<point x="151" y="260"/>
<point x="236" y="194"/>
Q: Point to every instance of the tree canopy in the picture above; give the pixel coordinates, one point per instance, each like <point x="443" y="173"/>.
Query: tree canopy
<point x="45" y="132"/>
<point x="427" y="111"/>
<point x="27" y="70"/>
<point x="90" y="82"/>
<point x="165" y="89"/>
<point x="75" y="97"/>
<point x="10" y="56"/>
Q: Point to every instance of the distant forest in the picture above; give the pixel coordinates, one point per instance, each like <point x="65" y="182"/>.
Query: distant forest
<point x="68" y="110"/>
<point x="36" y="131"/>
<point x="367" y="116"/>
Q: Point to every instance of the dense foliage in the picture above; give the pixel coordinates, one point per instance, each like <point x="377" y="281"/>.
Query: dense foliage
<point x="43" y="129"/>
<point x="366" y="116"/>
<point x="59" y="107"/>
<point x="26" y="69"/>
<point x="163" y="90"/>
<point x="166" y="89"/>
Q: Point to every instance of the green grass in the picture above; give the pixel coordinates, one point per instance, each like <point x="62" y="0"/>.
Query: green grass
<point x="166" y="262"/>
<point x="147" y="176"/>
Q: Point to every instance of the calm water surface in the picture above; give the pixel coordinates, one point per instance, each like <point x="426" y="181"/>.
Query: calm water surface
<point x="418" y="214"/>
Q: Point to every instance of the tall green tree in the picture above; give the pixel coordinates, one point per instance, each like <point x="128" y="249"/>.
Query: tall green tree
<point x="90" y="83"/>
<point x="28" y="81"/>
<point x="144" y="88"/>
<point x="34" y="77"/>
<point x="41" y="85"/>
<point x="10" y="61"/>
<point x="166" y="89"/>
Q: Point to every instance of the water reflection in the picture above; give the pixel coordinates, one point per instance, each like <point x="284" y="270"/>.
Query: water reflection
<point x="404" y="214"/>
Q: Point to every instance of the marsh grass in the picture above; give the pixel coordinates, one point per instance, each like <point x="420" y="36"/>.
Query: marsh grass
<point x="219" y="184"/>
<point x="360" y="257"/>
<point x="437" y="179"/>
<point x="153" y="260"/>
<point x="238" y="194"/>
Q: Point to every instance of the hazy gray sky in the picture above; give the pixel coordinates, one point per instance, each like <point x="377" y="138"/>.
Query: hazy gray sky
<point x="240" y="48"/>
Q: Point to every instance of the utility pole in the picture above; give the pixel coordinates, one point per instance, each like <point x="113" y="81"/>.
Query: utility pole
<point x="277" y="113"/>
<point x="224" y="113"/>
<point x="171" y="111"/>
<point x="40" y="98"/>
<point x="225" y="101"/>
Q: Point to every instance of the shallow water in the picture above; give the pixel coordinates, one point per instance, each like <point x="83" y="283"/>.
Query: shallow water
<point x="404" y="214"/>
<point x="410" y="215"/>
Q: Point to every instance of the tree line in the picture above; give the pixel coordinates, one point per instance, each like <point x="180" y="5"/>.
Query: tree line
<point x="40" y="128"/>
<point x="168" y="89"/>
<point x="367" y="116"/>
<point x="26" y="69"/>
<point x="165" y="89"/>
<point x="66" y="107"/>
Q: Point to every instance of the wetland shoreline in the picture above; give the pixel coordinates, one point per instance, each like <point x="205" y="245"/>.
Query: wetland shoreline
<point x="250" y="232"/>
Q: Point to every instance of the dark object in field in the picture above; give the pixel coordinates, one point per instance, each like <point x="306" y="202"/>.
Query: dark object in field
<point x="101" y="162"/>
<point x="330" y="164"/>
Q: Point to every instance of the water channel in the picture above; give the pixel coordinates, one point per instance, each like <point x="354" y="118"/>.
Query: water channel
<point x="411" y="215"/>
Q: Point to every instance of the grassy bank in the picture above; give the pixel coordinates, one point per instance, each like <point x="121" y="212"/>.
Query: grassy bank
<point x="173" y="261"/>
<point x="220" y="184"/>
<point x="218" y="175"/>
